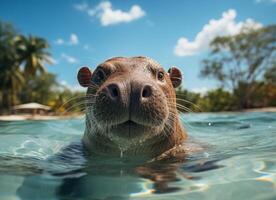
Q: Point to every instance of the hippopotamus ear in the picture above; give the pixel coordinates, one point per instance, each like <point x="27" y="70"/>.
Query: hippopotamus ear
<point x="175" y="76"/>
<point x="84" y="76"/>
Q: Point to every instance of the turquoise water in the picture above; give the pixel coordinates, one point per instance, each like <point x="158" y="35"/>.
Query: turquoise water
<point x="239" y="162"/>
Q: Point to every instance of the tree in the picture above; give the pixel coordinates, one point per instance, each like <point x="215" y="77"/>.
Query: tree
<point x="11" y="77"/>
<point x="66" y="101"/>
<point x="187" y="101"/>
<point x="217" y="100"/>
<point x="238" y="61"/>
<point x="40" y="88"/>
<point x="270" y="75"/>
<point x="20" y="58"/>
<point x="33" y="53"/>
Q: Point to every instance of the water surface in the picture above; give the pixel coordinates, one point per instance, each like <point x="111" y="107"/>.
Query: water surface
<point x="239" y="162"/>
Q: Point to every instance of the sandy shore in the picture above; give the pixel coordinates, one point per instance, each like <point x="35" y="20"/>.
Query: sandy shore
<point x="38" y="117"/>
<point x="267" y="109"/>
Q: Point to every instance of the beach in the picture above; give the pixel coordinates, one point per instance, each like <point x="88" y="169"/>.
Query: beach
<point x="38" y="117"/>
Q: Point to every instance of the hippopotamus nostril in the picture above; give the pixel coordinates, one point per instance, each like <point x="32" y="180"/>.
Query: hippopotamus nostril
<point x="113" y="91"/>
<point x="146" y="91"/>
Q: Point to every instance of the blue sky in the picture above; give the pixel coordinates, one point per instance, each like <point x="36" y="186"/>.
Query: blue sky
<point x="173" y="32"/>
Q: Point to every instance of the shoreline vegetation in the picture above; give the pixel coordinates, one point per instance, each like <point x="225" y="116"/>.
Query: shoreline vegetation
<point x="243" y="65"/>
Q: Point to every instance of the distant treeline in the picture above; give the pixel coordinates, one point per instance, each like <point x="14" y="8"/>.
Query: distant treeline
<point x="221" y="100"/>
<point x="244" y="66"/>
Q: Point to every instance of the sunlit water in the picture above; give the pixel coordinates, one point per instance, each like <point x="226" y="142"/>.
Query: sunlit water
<point x="239" y="162"/>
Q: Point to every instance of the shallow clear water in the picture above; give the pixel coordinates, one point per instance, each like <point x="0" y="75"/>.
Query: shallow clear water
<point x="239" y="162"/>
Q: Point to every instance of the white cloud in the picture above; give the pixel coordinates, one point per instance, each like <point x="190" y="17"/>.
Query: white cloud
<point x="201" y="90"/>
<point x="226" y="25"/>
<point x="75" y="88"/>
<point x="109" y="16"/>
<point x="261" y="1"/>
<point x="81" y="7"/>
<point x="73" y="40"/>
<point x="64" y="83"/>
<point x="59" y="41"/>
<point x="69" y="59"/>
<point x="53" y="61"/>
<point x="50" y="60"/>
<point x="86" y="47"/>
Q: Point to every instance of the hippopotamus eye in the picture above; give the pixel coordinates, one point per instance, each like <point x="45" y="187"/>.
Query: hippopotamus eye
<point x="100" y="75"/>
<point x="160" y="76"/>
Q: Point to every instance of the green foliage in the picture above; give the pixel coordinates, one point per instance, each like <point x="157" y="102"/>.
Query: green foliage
<point x="270" y="75"/>
<point x="45" y="89"/>
<point x="264" y="94"/>
<point x="67" y="101"/>
<point x="10" y="75"/>
<point x="217" y="100"/>
<point x="39" y="88"/>
<point x="23" y="75"/>
<point x="17" y="51"/>
<point x="33" y="53"/>
<point x="187" y="101"/>
<point x="213" y="101"/>
<point x="237" y="62"/>
<point x="221" y="100"/>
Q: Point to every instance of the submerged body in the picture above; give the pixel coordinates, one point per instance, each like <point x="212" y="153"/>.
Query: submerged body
<point x="131" y="109"/>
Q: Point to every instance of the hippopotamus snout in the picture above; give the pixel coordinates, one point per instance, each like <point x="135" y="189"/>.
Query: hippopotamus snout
<point x="138" y="100"/>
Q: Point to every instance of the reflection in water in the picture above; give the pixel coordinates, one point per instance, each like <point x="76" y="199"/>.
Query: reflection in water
<point x="115" y="178"/>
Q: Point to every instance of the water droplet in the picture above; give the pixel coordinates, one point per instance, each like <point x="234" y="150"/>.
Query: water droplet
<point x="121" y="153"/>
<point x="206" y="155"/>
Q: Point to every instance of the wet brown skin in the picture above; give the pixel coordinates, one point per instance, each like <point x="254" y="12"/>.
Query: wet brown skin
<point x="131" y="109"/>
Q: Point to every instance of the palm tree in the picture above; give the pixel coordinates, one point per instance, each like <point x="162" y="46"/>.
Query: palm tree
<point x="11" y="82"/>
<point x="33" y="52"/>
<point x="19" y="54"/>
<point x="11" y="78"/>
